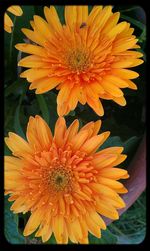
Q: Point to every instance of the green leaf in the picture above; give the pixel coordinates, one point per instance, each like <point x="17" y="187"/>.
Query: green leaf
<point x="133" y="21"/>
<point x="112" y="141"/>
<point x="107" y="238"/>
<point x="17" y="125"/>
<point x="136" y="238"/>
<point x="130" y="9"/>
<point x="6" y="150"/>
<point x="51" y="101"/>
<point x="39" y="10"/>
<point x="72" y="113"/>
<point x="43" y="107"/>
<point x="16" y="87"/>
<point x="11" y="226"/>
<point x="116" y="141"/>
<point x="130" y="144"/>
<point x="130" y="147"/>
<point x="142" y="37"/>
<point x="51" y="240"/>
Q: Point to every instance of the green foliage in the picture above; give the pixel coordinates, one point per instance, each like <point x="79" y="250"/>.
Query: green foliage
<point x="11" y="226"/>
<point x="107" y="238"/>
<point x="17" y="125"/>
<point x="43" y="107"/>
<point x="51" y="240"/>
<point x="133" y="21"/>
<point x="131" y="227"/>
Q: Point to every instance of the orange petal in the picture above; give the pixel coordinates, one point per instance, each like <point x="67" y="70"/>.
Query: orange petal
<point x="82" y="14"/>
<point x="12" y="163"/>
<point x="96" y="105"/>
<point x="121" y="46"/>
<point x="58" y="228"/>
<point x="111" y="88"/>
<point x="117" y="81"/>
<point x="112" y="150"/>
<point x="64" y="93"/>
<point x="42" y="27"/>
<point x="31" y="49"/>
<point x="72" y="130"/>
<point x="93" y="14"/>
<point x="131" y="85"/>
<point x="101" y="19"/>
<point x="106" y="209"/>
<point x="44" y="84"/>
<point x="53" y="19"/>
<point x="113" y="173"/>
<point x="104" y="160"/>
<point x="76" y="229"/>
<point x="79" y="139"/>
<point x="97" y="219"/>
<point x="93" y="227"/>
<point x="16" y="10"/>
<point x="35" y="74"/>
<point x="38" y="130"/>
<point x="92" y="144"/>
<point x="110" y="183"/>
<point x="60" y="129"/>
<point x="124" y="73"/>
<point x="34" y="36"/>
<point x="71" y="16"/>
<point x="73" y="98"/>
<point x="112" y="21"/>
<point x="33" y="62"/>
<point x="7" y="20"/>
<point x="17" y="145"/>
<point x="119" y="160"/>
<point x="63" y="109"/>
<point x="116" y="30"/>
<point x="120" y="100"/>
<point x="7" y="28"/>
<point x="33" y="222"/>
<point x="97" y="126"/>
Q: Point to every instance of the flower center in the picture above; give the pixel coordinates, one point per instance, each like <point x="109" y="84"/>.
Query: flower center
<point x="60" y="179"/>
<point x="78" y="60"/>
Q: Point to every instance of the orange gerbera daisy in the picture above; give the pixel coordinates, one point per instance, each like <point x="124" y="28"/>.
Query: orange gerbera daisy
<point x="8" y="24"/>
<point x="63" y="181"/>
<point x="85" y="58"/>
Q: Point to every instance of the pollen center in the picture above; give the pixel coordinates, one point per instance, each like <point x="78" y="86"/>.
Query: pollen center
<point x="78" y="60"/>
<point x="60" y="179"/>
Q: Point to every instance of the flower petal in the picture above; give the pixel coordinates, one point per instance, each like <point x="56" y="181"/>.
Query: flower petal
<point x="53" y="19"/>
<point x="60" y="129"/>
<point x="124" y="73"/>
<point x="92" y="144"/>
<point x="33" y="222"/>
<point x="113" y="173"/>
<point x="31" y="49"/>
<point x="18" y="145"/>
<point x="16" y="10"/>
<point x="71" y="16"/>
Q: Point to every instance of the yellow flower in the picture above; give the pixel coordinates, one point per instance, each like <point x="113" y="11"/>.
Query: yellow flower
<point x="8" y="24"/>
<point x="86" y="58"/>
<point x="63" y="181"/>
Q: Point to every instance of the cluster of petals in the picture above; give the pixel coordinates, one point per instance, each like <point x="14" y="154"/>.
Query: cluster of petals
<point x="63" y="180"/>
<point x="86" y="59"/>
<point x="8" y="24"/>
